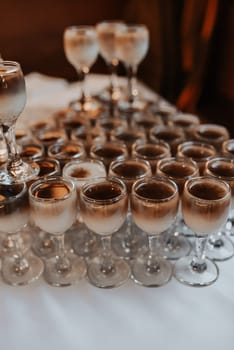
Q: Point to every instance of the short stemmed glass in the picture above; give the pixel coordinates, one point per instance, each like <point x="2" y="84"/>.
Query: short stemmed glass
<point x="107" y="46"/>
<point x="219" y="246"/>
<point x="13" y="98"/>
<point x="154" y="205"/>
<point x="178" y="170"/>
<point x="129" y="241"/>
<point x="53" y="204"/>
<point x="228" y="148"/>
<point x="81" y="50"/>
<point x="104" y="205"/>
<point x="18" y="267"/>
<point x="205" y="205"/>
<point x="84" y="242"/>
<point x="132" y="43"/>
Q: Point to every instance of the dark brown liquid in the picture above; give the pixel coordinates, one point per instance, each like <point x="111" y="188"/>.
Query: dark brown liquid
<point x="8" y="191"/>
<point x="167" y="135"/>
<point x="80" y="173"/>
<point x="103" y="191"/>
<point x="30" y="151"/>
<point x="151" y="150"/>
<point x="73" y="124"/>
<point x="53" y="190"/>
<point x="66" y="151"/>
<point x="183" y="123"/>
<point x="211" y="134"/>
<point x="146" y="124"/>
<point x="130" y="170"/>
<point x="222" y="168"/>
<point x="197" y="152"/>
<point x="108" y="125"/>
<point x="128" y="137"/>
<point x="155" y="191"/>
<point x="50" y="137"/>
<point x="208" y="191"/>
<point x="20" y="135"/>
<point x="46" y="167"/>
<point x="178" y="170"/>
<point x="109" y="152"/>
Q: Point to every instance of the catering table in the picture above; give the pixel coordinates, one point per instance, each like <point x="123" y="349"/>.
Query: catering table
<point x="83" y="317"/>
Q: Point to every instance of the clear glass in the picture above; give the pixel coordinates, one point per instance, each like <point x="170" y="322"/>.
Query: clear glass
<point x="205" y="204"/>
<point x="219" y="246"/>
<point x="13" y="98"/>
<point x="106" y="32"/>
<point x="179" y="170"/>
<point x="129" y="241"/>
<point x="170" y="134"/>
<point x="67" y="151"/>
<point x="128" y="136"/>
<point x="228" y="147"/>
<point x="81" y="50"/>
<point x="132" y="43"/>
<point x="19" y="267"/>
<point x="53" y="203"/>
<point x="84" y="242"/>
<point x="214" y="134"/>
<point x="104" y="204"/>
<point x="154" y="205"/>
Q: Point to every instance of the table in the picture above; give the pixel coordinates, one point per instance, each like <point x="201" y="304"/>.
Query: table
<point x="131" y="317"/>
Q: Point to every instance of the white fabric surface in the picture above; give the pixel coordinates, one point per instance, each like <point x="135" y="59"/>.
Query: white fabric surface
<point x="83" y="317"/>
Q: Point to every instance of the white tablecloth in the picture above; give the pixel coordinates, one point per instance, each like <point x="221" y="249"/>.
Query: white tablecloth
<point x="83" y="317"/>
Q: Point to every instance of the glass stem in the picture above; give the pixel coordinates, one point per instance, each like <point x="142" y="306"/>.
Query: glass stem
<point x="107" y="265"/>
<point x="82" y="77"/>
<point x="113" y="77"/>
<point x="21" y="265"/>
<point x="63" y="264"/>
<point x="132" y="85"/>
<point x="14" y="159"/>
<point x="153" y="264"/>
<point x="198" y="263"/>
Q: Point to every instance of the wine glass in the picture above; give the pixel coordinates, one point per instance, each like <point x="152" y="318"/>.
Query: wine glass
<point x="53" y="204"/>
<point x="205" y="205"/>
<point x="13" y="98"/>
<point x="81" y="50"/>
<point x="104" y="205"/>
<point x="154" y="205"/>
<point x="18" y="267"/>
<point x="132" y="43"/>
<point x="84" y="242"/>
<point x="107" y="47"/>
<point x="219" y="246"/>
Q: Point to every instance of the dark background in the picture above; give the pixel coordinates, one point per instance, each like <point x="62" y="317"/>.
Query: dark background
<point x="191" y="55"/>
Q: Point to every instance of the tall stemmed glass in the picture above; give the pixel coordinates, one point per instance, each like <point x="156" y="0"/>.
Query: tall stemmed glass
<point x="154" y="204"/>
<point x="132" y="43"/>
<point x="107" y="45"/>
<point x="53" y="203"/>
<point x="18" y="267"/>
<point x="12" y="102"/>
<point x="81" y="50"/>
<point x="205" y="205"/>
<point x="104" y="205"/>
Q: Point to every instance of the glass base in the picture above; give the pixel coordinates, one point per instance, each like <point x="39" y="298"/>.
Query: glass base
<point x="219" y="248"/>
<point x="175" y="246"/>
<point x="131" y="107"/>
<point x="111" y="279"/>
<point x="108" y="96"/>
<point x="7" y="246"/>
<point x="28" y="273"/>
<point x="43" y="244"/>
<point x="91" y="107"/>
<point x="229" y="227"/>
<point x="129" y="246"/>
<point x="186" y="273"/>
<point x="67" y="276"/>
<point x="84" y="242"/>
<point x="25" y="172"/>
<point x="151" y="276"/>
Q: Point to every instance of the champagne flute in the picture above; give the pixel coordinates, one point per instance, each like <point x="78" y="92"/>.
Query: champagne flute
<point x="106" y="31"/>
<point x="132" y="43"/>
<point x="205" y="205"/>
<point x="81" y="50"/>
<point x="12" y="102"/>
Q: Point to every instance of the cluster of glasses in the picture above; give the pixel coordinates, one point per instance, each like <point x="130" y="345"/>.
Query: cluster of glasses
<point x="112" y="196"/>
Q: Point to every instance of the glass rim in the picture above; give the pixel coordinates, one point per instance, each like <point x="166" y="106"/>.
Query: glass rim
<point x="82" y="27"/>
<point x="16" y="196"/>
<point x="136" y="145"/>
<point x="178" y="159"/>
<point x="131" y="159"/>
<point x="47" y="180"/>
<point x="221" y="159"/>
<point x="161" y="179"/>
<point x="107" y="179"/>
<point x="200" y="128"/>
<point x="60" y="155"/>
<point x="200" y="178"/>
<point x="184" y="145"/>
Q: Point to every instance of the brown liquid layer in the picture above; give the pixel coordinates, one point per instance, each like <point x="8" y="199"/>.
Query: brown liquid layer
<point x="197" y="152"/>
<point x="103" y="191"/>
<point x="46" y="168"/>
<point x="178" y="170"/>
<point x="52" y="190"/>
<point x="151" y="150"/>
<point x="109" y="152"/>
<point x="130" y="170"/>
<point x="155" y="191"/>
<point x="208" y="191"/>
<point x="223" y="169"/>
<point x="80" y="173"/>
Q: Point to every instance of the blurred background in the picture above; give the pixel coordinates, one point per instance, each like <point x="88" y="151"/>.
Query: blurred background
<point x="191" y="55"/>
